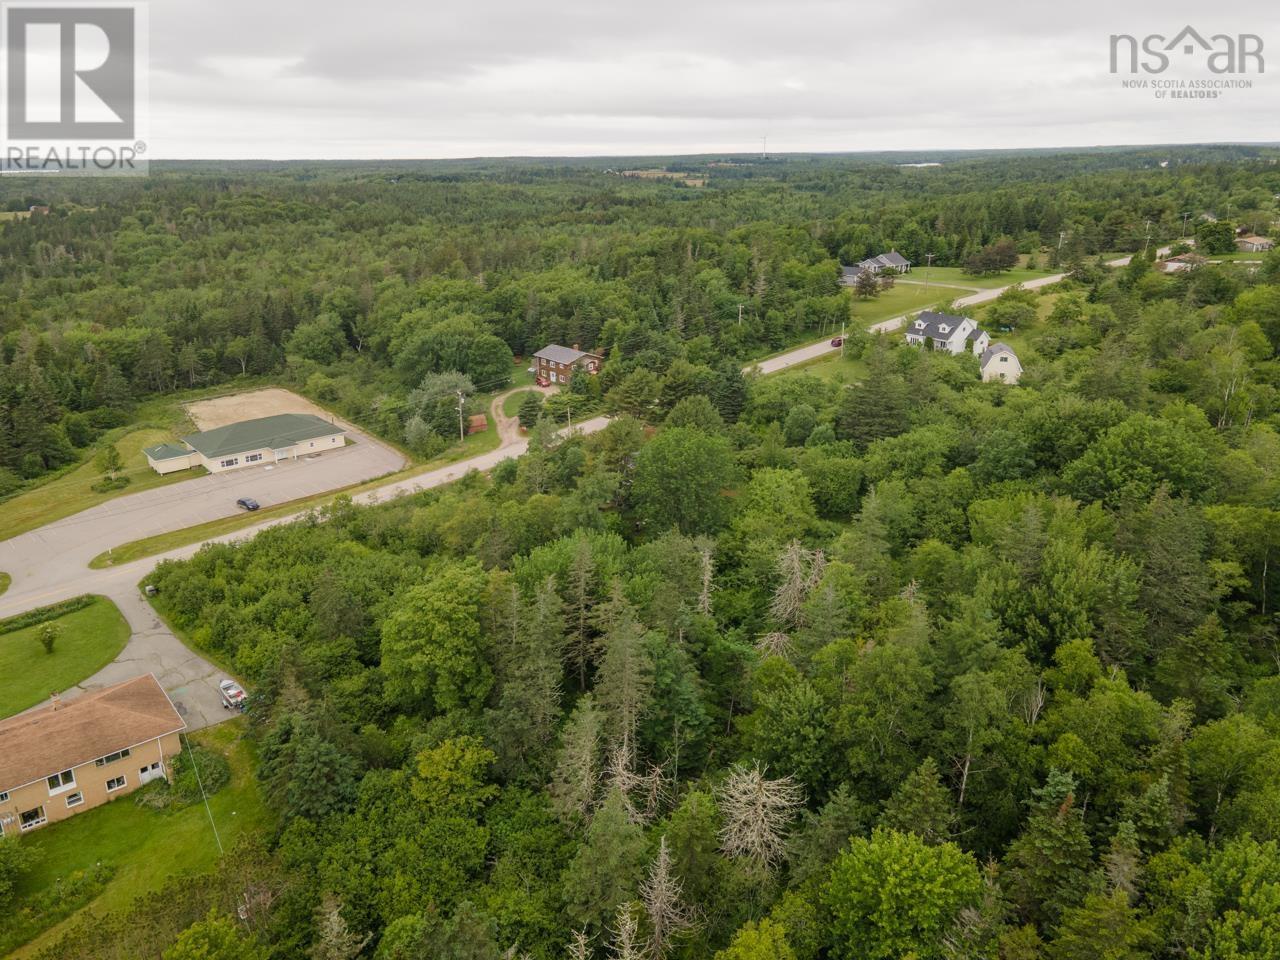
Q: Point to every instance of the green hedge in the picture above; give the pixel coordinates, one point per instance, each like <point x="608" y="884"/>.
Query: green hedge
<point x="43" y="614"/>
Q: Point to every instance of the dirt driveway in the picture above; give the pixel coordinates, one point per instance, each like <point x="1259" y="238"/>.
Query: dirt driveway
<point x="219" y="411"/>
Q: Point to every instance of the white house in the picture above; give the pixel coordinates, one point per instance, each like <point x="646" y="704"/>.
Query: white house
<point x="286" y="436"/>
<point x="1252" y="244"/>
<point x="943" y="331"/>
<point x="999" y="362"/>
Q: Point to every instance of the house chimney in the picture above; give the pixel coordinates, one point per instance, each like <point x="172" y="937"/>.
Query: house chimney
<point x="577" y="347"/>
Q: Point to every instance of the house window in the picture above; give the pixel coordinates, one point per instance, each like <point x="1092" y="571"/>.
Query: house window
<point x="29" y="819"/>
<point x="229" y="463"/>
<point x="253" y="458"/>
<point x="75" y="799"/>
<point x="112" y="757"/>
<point x="4" y="795"/>
<point x="61" y="781"/>
<point x="1004" y="359"/>
<point x="115" y="783"/>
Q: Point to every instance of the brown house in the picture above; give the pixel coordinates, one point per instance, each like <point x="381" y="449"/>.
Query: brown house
<point x="60" y="759"/>
<point x="557" y="364"/>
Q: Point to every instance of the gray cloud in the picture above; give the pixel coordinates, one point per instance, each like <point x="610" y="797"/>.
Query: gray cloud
<point x="398" y="78"/>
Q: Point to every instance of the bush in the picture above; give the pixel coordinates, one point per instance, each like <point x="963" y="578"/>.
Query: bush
<point x="183" y="787"/>
<point x="110" y="484"/>
<point x="43" y="614"/>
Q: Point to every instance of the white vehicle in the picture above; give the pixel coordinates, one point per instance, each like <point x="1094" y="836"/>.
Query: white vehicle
<point x="233" y="695"/>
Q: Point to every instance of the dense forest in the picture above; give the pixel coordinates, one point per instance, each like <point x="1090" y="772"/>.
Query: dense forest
<point x="769" y="668"/>
<point x="357" y="282"/>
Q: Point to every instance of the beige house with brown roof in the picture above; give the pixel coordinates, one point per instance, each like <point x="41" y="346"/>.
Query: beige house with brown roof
<point x="60" y="759"/>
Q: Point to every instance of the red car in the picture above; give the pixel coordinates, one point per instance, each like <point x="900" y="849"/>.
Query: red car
<point x="837" y="342"/>
<point x="542" y="382"/>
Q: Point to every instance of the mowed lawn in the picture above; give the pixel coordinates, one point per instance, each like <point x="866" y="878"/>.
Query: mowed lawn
<point x="146" y="847"/>
<point x="956" y="276"/>
<point x="5" y="580"/>
<point x="73" y="491"/>
<point x="90" y="639"/>
<point x="901" y="298"/>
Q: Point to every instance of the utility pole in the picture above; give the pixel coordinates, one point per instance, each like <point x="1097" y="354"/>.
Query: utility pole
<point x="739" y="314"/>
<point x="1184" y="222"/>
<point x="928" y="262"/>
<point x="841" y="339"/>
<point x="461" y="401"/>
<point x="764" y="147"/>
<point x="1146" y="243"/>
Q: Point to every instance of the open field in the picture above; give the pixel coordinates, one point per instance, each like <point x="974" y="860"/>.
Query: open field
<point x="902" y="298"/>
<point x="5" y="580"/>
<point x="144" y="847"/>
<point x="955" y="276"/>
<point x="89" y="640"/>
<point x="14" y="215"/>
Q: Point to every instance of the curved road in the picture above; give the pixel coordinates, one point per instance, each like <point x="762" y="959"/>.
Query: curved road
<point x="51" y="563"/>
<point x="814" y="350"/>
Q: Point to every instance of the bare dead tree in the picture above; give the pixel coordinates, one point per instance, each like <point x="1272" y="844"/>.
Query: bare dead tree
<point x="799" y="572"/>
<point x="774" y="644"/>
<point x="627" y="944"/>
<point x="706" y="560"/>
<point x="577" y="772"/>
<point x="643" y="794"/>
<point x="756" y="814"/>
<point x="334" y="940"/>
<point x="578" y="947"/>
<point x="662" y="894"/>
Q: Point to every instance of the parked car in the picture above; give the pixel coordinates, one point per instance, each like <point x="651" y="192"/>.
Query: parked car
<point x="542" y="382"/>
<point x="837" y="341"/>
<point x="248" y="503"/>
<point x="233" y="695"/>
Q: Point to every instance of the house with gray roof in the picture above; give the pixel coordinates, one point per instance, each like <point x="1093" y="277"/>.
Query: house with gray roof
<point x="999" y="362"/>
<point x="893" y="261"/>
<point x="266" y="440"/>
<point x="945" y="331"/>
<point x="557" y="364"/>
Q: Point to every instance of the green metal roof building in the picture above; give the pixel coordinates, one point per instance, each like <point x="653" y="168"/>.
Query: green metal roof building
<point x="284" y="436"/>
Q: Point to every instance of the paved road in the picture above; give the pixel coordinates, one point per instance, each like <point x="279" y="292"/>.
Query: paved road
<point x="51" y="563"/>
<point x="54" y="567"/>
<point x="823" y="347"/>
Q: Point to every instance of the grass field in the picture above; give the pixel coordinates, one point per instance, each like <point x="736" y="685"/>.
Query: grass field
<point x="72" y="492"/>
<point x="14" y="215"/>
<point x="511" y="405"/>
<point x="832" y="367"/>
<point x="956" y="276"/>
<point x="90" y="639"/>
<point x="145" y="847"/>
<point x="5" y="580"/>
<point x="902" y="298"/>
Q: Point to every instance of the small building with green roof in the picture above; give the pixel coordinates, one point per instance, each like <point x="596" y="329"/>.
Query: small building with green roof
<point x="267" y="440"/>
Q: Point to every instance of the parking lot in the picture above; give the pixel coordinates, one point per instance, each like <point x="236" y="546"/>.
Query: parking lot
<point x="50" y="557"/>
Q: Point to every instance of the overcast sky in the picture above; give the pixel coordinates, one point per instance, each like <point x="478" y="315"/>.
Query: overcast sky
<point x="427" y="78"/>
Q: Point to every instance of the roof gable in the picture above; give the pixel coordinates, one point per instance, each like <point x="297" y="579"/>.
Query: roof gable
<point x="46" y="740"/>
